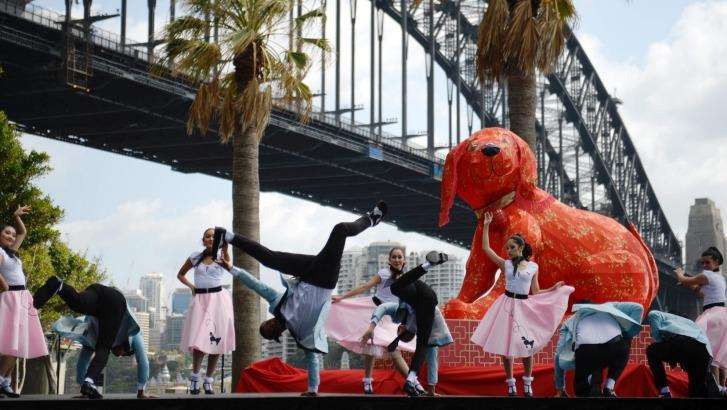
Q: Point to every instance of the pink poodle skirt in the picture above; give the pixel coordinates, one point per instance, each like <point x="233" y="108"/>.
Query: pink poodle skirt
<point x="20" y="332"/>
<point x="210" y="324"/>
<point x="521" y="327"/>
<point x="350" y="318"/>
<point x="713" y="322"/>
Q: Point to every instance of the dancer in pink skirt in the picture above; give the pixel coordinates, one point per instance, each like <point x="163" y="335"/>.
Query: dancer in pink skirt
<point x="713" y="321"/>
<point x="349" y="320"/>
<point x="209" y="327"/>
<point x="20" y="332"/>
<point x="519" y="325"/>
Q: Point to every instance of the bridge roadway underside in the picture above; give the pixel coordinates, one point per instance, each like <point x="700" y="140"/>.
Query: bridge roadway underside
<point x="319" y="162"/>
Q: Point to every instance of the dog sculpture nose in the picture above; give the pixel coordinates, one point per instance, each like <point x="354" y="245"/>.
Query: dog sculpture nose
<point x="491" y="150"/>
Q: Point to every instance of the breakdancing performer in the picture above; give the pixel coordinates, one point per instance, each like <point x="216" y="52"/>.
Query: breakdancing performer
<point x="680" y="340"/>
<point x="129" y="341"/>
<point x="409" y="326"/>
<point x="303" y="307"/>
<point x="104" y="303"/>
<point x="595" y="337"/>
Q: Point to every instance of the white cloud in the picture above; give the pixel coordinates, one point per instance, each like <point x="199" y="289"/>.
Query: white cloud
<point x="673" y="107"/>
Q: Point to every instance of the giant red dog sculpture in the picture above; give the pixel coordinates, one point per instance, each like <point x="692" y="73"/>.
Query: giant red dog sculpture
<point x="494" y="170"/>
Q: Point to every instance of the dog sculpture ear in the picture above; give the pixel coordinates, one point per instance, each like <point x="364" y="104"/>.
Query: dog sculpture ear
<point x="449" y="181"/>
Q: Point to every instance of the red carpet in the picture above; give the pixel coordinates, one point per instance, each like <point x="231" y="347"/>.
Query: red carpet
<point x="275" y="376"/>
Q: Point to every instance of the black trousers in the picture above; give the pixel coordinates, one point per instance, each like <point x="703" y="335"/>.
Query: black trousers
<point x="592" y="359"/>
<point x="690" y="354"/>
<point x="423" y="300"/>
<point x="108" y="305"/>
<point x="321" y="269"/>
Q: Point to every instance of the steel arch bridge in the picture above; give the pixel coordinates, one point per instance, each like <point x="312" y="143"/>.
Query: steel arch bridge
<point x="585" y="154"/>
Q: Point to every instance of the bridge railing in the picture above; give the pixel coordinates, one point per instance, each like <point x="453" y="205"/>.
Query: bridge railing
<point x="55" y="20"/>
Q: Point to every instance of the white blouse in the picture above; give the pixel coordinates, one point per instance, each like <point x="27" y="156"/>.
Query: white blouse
<point x="207" y="276"/>
<point x="519" y="283"/>
<point x="383" y="289"/>
<point x="714" y="291"/>
<point x="12" y="269"/>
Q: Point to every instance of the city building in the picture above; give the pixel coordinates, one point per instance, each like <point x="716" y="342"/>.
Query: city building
<point x="152" y="286"/>
<point x="142" y="318"/>
<point x="136" y="300"/>
<point x="181" y="298"/>
<point x="445" y="279"/>
<point x="173" y="332"/>
<point x="705" y="229"/>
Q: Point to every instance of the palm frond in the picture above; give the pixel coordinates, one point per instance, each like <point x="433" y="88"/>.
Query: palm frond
<point x="490" y="61"/>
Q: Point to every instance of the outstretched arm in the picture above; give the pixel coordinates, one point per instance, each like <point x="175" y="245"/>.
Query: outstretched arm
<point x="487" y="219"/>
<point x="699" y="280"/>
<point x="535" y="286"/>
<point x="20" y="231"/>
<point x="375" y="280"/>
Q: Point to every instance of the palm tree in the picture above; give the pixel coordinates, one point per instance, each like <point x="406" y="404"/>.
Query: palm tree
<point x="515" y="39"/>
<point x="260" y="60"/>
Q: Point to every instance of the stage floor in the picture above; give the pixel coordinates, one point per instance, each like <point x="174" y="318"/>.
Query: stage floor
<point x="291" y="401"/>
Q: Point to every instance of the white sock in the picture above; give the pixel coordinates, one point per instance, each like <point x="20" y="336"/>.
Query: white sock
<point x="229" y="236"/>
<point x="510" y="382"/>
<point x="368" y="380"/>
<point x="90" y="381"/>
<point x="194" y="377"/>
<point x="426" y="265"/>
<point x="4" y="381"/>
<point x="665" y="390"/>
<point x="528" y="380"/>
<point x="412" y="377"/>
<point x="209" y="380"/>
<point x="610" y="383"/>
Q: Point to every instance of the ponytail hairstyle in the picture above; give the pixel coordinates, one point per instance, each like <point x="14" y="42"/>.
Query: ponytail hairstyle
<point x="527" y="250"/>
<point x="715" y="254"/>
<point x="396" y="272"/>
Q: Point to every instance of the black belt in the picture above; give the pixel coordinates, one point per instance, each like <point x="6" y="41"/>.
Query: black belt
<point x="208" y="290"/>
<point x="17" y="287"/>
<point x="711" y="305"/>
<point x="615" y="339"/>
<point x="515" y="295"/>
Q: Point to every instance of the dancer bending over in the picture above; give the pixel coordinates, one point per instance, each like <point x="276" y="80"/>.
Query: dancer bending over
<point x="350" y="319"/>
<point x="519" y="325"/>
<point x="303" y="307"/>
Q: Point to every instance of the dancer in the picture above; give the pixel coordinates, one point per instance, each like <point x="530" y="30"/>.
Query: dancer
<point x="405" y="315"/>
<point x="422" y="301"/>
<point x="348" y="332"/>
<point x="679" y="340"/>
<point x="21" y="334"/>
<point x="303" y="307"/>
<point x="518" y="325"/>
<point x="209" y="325"/>
<point x="104" y="303"/>
<point x="129" y="341"/>
<point x="713" y="320"/>
<point x="595" y="337"/>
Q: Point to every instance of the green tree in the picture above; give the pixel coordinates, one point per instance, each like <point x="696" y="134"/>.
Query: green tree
<point x="42" y="252"/>
<point x="515" y="39"/>
<point x="260" y="56"/>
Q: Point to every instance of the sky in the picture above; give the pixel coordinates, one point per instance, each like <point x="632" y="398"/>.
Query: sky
<point x="664" y="62"/>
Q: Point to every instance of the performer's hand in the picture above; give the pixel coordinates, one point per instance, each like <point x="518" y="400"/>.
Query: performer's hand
<point x="679" y="271"/>
<point x="558" y="284"/>
<point x="141" y="395"/>
<point x="225" y="263"/>
<point x="487" y="218"/>
<point x="367" y="336"/>
<point x="336" y="298"/>
<point x="22" y="210"/>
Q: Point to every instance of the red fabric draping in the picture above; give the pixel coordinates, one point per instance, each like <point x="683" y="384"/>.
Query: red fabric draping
<point x="274" y="376"/>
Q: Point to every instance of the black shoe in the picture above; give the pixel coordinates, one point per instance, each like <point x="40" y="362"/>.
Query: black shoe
<point x="511" y="392"/>
<point x="437" y="258"/>
<point x="368" y="388"/>
<point x="309" y="394"/>
<point x="666" y="395"/>
<point x="90" y="391"/>
<point x="194" y="387"/>
<point x="8" y="391"/>
<point x="609" y="393"/>
<point x="528" y="393"/>
<point x="421" y="390"/>
<point x="411" y="389"/>
<point x="207" y="388"/>
<point x="45" y="292"/>
<point x="217" y="240"/>
<point x="378" y="213"/>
